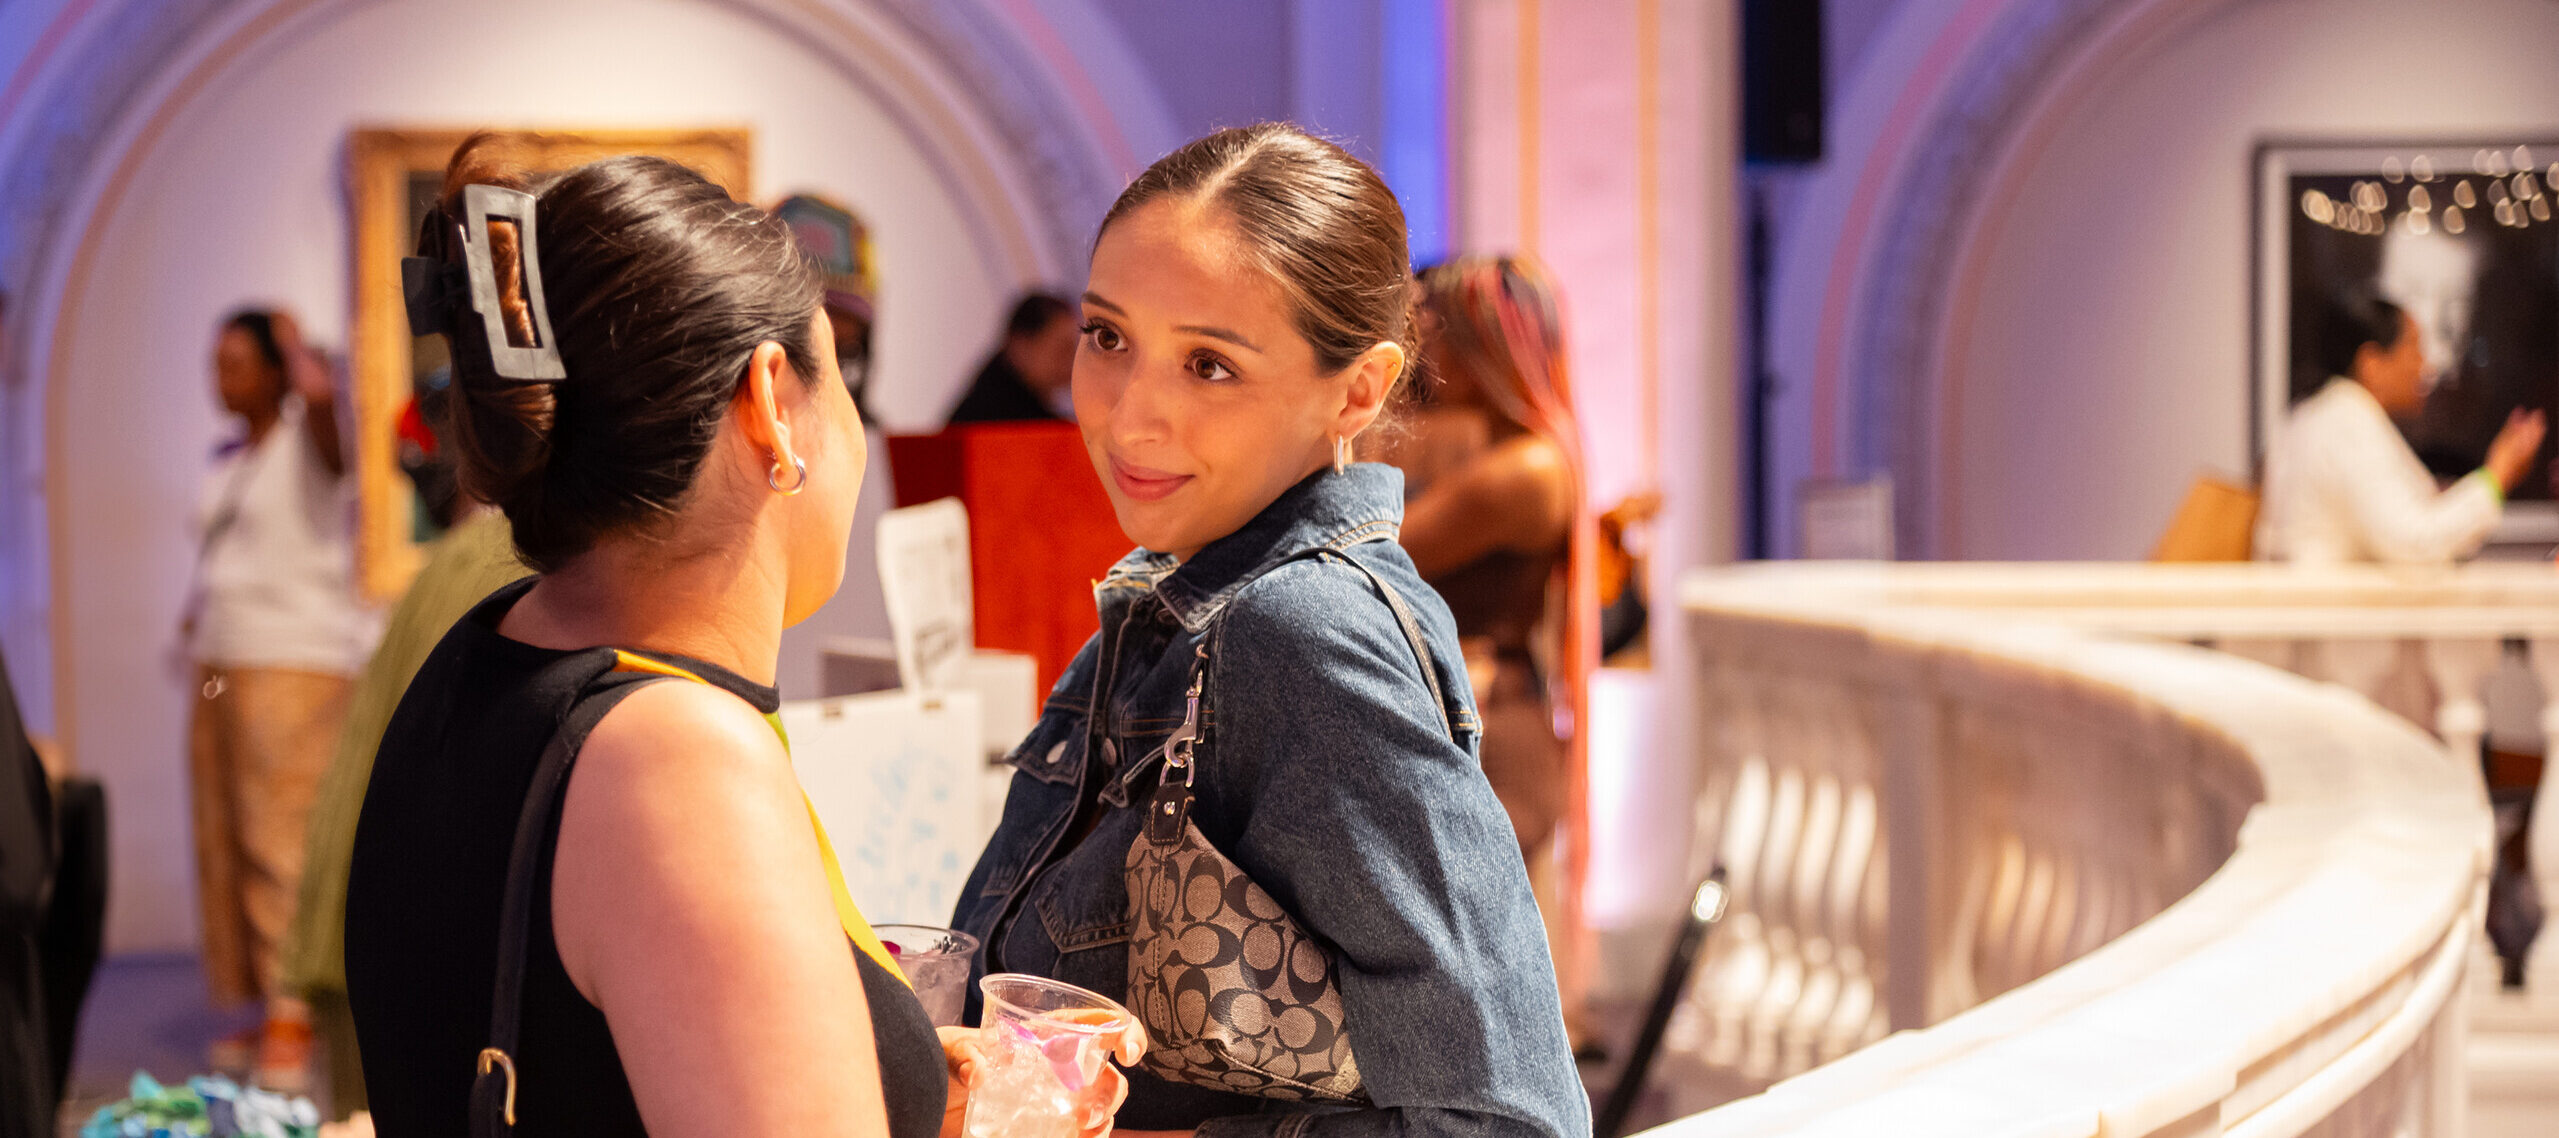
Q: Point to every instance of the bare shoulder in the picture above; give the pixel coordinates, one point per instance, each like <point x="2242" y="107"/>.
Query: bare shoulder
<point x="1528" y="468"/>
<point x="682" y="819"/>
<point x="690" y="905"/>
<point x="684" y="730"/>
<point x="1533" y="459"/>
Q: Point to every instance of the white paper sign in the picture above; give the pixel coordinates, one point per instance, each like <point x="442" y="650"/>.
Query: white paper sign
<point x="924" y="574"/>
<point x="897" y="778"/>
<point x="1847" y="520"/>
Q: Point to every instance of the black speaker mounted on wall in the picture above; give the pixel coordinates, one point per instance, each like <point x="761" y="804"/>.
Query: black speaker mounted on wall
<point x="1782" y="80"/>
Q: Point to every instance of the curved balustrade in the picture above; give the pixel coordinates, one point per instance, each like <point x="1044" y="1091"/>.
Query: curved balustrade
<point x="2424" y="642"/>
<point x="2000" y="877"/>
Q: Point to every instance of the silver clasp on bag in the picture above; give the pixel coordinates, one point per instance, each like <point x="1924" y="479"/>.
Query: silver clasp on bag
<point x="1177" y="748"/>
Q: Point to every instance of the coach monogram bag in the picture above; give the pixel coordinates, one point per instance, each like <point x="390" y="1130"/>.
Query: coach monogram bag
<point x="1234" y="992"/>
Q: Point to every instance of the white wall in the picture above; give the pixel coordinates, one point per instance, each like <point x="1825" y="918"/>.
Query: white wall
<point x="2105" y="360"/>
<point x="240" y="200"/>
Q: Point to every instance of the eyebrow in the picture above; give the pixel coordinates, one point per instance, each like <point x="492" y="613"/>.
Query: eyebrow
<point x="1209" y="330"/>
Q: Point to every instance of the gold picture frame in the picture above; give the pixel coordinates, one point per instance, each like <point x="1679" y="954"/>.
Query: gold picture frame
<point x="391" y="173"/>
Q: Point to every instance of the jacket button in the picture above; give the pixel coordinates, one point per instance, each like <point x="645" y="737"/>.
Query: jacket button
<point x="1053" y="752"/>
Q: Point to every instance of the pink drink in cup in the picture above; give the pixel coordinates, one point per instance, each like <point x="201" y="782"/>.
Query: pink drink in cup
<point x="936" y="963"/>
<point x="1045" y="1048"/>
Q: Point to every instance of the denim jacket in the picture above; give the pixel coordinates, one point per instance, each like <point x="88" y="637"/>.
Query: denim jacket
<point x="1328" y="776"/>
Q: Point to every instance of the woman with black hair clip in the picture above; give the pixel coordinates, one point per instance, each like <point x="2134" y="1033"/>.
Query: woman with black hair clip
<point x="656" y="938"/>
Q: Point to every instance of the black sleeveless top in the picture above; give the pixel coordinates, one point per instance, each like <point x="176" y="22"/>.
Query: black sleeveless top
<point x="424" y="890"/>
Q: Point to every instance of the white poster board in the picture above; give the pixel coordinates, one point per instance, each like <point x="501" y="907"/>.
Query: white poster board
<point x="898" y="779"/>
<point x="924" y="574"/>
<point x="1850" y="521"/>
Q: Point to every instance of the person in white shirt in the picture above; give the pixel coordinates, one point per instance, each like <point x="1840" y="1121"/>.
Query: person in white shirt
<point x="276" y="634"/>
<point x="2342" y="484"/>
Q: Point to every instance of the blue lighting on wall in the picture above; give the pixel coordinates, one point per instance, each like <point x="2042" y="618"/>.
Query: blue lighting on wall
<point x="1413" y="155"/>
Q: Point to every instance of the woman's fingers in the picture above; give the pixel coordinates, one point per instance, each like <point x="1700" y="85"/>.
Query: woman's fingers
<point x="962" y="1052"/>
<point x="1119" y="1094"/>
<point x="1131" y="1045"/>
<point x="964" y="1056"/>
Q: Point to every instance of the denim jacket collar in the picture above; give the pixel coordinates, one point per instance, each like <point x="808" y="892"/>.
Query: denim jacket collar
<point x="1324" y="511"/>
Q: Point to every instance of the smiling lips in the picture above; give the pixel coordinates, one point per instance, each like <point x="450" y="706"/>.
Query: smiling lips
<point x="1143" y="484"/>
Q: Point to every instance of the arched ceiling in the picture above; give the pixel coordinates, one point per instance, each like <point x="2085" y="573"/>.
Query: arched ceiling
<point x="1028" y="144"/>
<point x="1951" y="97"/>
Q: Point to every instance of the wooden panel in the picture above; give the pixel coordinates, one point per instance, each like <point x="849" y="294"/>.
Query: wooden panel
<point x="1041" y="530"/>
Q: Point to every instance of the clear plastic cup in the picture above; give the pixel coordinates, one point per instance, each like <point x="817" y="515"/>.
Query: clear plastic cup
<point x="936" y="963"/>
<point x="1045" y="1046"/>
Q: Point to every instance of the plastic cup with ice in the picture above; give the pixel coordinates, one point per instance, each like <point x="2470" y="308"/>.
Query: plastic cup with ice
<point x="1045" y="1048"/>
<point x="936" y="963"/>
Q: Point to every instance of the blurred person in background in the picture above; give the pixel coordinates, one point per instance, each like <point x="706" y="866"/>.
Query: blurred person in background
<point x="28" y="1080"/>
<point x="2342" y="483"/>
<point x="840" y="245"/>
<point x="1493" y="519"/>
<point x="1027" y="377"/>
<point x="276" y="633"/>
<point x="474" y="557"/>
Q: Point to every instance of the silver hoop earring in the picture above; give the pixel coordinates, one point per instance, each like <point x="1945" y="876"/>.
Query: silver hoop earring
<point x="1341" y="453"/>
<point x="773" y="477"/>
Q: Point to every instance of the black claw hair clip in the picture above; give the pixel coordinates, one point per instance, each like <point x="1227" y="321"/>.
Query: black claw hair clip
<point x="438" y="290"/>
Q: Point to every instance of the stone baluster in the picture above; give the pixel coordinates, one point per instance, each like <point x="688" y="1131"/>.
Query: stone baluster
<point x="1918" y="883"/>
<point x="2362" y="664"/>
<point x="1855" y="892"/>
<point x="1853" y="897"/>
<point x="1791" y="738"/>
<point x="2541" y="968"/>
<point x="1817" y="924"/>
<point x="2461" y="667"/>
<point x="1737" y="963"/>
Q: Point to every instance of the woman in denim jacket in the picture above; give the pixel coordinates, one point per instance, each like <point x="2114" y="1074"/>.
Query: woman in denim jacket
<point x="1247" y="318"/>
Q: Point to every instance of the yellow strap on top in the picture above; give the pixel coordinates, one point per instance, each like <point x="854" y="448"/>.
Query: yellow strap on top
<point x="634" y="662"/>
<point x="845" y="913"/>
<point x="856" y="928"/>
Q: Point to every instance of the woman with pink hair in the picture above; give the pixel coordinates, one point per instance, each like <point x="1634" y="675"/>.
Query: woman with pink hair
<point x="1495" y="521"/>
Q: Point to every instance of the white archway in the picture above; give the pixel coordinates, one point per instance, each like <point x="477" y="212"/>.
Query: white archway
<point x="992" y="181"/>
<point x="1895" y="275"/>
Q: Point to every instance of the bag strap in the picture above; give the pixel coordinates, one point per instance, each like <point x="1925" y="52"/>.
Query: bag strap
<point x="528" y="861"/>
<point x="1178" y="747"/>
<point x="1412" y="626"/>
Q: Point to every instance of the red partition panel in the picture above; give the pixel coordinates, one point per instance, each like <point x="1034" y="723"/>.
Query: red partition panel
<point x="1041" y="531"/>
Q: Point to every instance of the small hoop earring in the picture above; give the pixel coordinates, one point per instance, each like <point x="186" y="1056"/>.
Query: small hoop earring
<point x="773" y="477"/>
<point x="1341" y="453"/>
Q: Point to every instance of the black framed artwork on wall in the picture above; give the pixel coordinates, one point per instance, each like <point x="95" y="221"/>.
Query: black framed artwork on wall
<point x="2463" y="236"/>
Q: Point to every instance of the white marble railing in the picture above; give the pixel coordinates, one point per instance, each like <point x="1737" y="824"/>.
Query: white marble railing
<point x="2425" y="643"/>
<point x="1997" y="876"/>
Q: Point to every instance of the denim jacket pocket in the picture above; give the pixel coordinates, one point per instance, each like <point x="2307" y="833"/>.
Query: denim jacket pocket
<point x="1093" y="915"/>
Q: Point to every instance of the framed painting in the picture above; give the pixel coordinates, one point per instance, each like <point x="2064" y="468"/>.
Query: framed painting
<point x="2463" y="237"/>
<point x="393" y="176"/>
